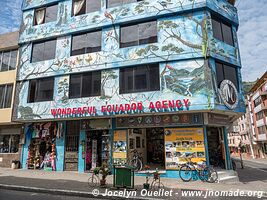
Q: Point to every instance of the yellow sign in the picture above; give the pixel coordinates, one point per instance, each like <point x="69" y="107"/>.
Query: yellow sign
<point x="119" y="146"/>
<point x="181" y="144"/>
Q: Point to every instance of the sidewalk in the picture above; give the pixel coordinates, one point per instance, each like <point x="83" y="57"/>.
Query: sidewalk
<point x="77" y="182"/>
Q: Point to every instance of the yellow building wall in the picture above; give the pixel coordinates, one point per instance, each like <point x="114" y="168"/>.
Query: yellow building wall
<point x="7" y="42"/>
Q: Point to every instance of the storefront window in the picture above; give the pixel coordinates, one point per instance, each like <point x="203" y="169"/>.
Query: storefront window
<point x="9" y="143"/>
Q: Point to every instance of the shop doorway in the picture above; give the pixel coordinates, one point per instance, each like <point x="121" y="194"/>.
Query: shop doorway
<point x="149" y="143"/>
<point x="155" y="148"/>
<point x="216" y="147"/>
<point x="97" y="148"/>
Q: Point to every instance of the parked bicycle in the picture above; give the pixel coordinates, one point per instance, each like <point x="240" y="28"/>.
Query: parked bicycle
<point x="204" y="172"/>
<point x="94" y="179"/>
<point x="156" y="183"/>
<point x="136" y="162"/>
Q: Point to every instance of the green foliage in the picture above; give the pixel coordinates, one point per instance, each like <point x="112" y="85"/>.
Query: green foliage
<point x="148" y="49"/>
<point x="27" y="112"/>
<point x="167" y="24"/>
<point x="247" y="86"/>
<point x="173" y="48"/>
<point x="141" y="7"/>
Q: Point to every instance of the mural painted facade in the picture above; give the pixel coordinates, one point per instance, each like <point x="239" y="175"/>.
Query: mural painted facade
<point x="185" y="50"/>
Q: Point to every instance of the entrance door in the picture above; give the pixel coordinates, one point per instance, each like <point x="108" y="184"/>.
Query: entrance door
<point x="216" y="147"/>
<point x="155" y="148"/>
<point x="72" y="145"/>
<point x="97" y="148"/>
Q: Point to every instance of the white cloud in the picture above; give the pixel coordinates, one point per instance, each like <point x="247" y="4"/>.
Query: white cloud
<point x="10" y="15"/>
<point x="252" y="36"/>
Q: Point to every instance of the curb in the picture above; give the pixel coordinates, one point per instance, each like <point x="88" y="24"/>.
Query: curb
<point x="67" y="192"/>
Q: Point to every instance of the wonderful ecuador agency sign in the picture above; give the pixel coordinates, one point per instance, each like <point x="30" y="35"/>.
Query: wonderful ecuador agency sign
<point x="135" y="107"/>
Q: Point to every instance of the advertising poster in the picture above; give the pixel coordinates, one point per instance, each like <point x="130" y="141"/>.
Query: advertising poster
<point x="119" y="147"/>
<point x="182" y="143"/>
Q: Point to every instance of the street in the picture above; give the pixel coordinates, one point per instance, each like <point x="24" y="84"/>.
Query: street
<point x="252" y="178"/>
<point x="15" y="195"/>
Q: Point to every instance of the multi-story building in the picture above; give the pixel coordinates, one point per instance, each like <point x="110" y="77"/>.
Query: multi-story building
<point x="9" y="131"/>
<point x="98" y="79"/>
<point x="258" y="116"/>
<point x="240" y="138"/>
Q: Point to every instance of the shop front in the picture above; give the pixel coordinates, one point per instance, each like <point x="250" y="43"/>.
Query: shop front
<point x="161" y="141"/>
<point x="10" y="144"/>
<point x="43" y="144"/>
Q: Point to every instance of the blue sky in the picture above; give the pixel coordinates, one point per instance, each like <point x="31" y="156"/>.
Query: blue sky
<point x="252" y="32"/>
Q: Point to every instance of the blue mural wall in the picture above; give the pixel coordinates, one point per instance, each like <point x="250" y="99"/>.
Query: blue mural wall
<point x="185" y="50"/>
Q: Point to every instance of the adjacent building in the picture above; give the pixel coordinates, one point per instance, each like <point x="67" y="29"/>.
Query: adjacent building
<point x="258" y="116"/>
<point x="9" y="131"/>
<point x="98" y="79"/>
<point x="240" y="137"/>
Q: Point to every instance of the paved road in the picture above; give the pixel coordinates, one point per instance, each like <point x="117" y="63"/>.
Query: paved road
<point x="256" y="165"/>
<point x="253" y="172"/>
<point x="16" y="195"/>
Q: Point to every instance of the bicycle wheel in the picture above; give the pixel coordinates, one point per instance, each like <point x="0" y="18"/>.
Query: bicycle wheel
<point x="155" y="185"/>
<point x="210" y="175"/>
<point x="186" y="173"/>
<point x="202" y="175"/>
<point x="92" y="181"/>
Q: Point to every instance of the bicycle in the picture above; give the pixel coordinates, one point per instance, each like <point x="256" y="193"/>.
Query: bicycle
<point x="185" y="170"/>
<point x="94" y="179"/>
<point x="136" y="162"/>
<point x="205" y="173"/>
<point x="156" y="183"/>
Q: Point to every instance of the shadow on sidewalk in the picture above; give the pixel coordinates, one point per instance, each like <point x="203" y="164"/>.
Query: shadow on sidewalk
<point x="249" y="174"/>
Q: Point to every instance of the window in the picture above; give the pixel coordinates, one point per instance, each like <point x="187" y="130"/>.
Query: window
<point x="260" y="115"/>
<point x="9" y="143"/>
<point x="224" y="71"/>
<point x="85" y="85"/>
<point x="6" y="95"/>
<point x="139" y="79"/>
<point x="80" y="7"/>
<point x="8" y="60"/>
<point x="133" y="35"/>
<point x="222" y="31"/>
<point x="261" y="130"/>
<point x="113" y="3"/>
<point x="86" y="43"/>
<point x="257" y="101"/>
<point x="41" y="90"/>
<point x="45" y="15"/>
<point x="43" y="50"/>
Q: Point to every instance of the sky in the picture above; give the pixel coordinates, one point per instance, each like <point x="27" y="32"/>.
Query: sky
<point x="252" y="32"/>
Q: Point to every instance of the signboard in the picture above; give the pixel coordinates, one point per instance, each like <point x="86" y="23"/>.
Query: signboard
<point x="217" y="119"/>
<point x="182" y="142"/>
<point x="119" y="147"/>
<point x="229" y="94"/>
<point x="159" y="120"/>
<point x="127" y="108"/>
<point x="94" y="124"/>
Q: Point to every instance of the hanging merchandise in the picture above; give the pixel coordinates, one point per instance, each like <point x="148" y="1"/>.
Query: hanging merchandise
<point x="53" y="157"/>
<point x="42" y="148"/>
<point x="60" y="130"/>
